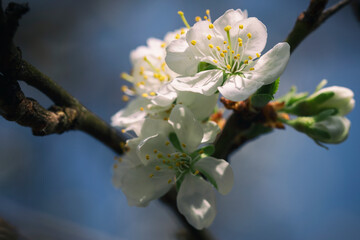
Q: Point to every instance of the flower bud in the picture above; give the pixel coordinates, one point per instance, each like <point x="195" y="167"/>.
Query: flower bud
<point x="332" y="129"/>
<point x="339" y="98"/>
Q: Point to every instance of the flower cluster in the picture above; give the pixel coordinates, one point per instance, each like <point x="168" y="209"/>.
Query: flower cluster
<point x="176" y="84"/>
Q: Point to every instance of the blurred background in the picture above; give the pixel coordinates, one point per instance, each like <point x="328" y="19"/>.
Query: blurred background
<point x="286" y="187"/>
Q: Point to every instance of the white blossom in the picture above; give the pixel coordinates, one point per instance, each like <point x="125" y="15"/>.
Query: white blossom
<point x="233" y="46"/>
<point x="169" y="152"/>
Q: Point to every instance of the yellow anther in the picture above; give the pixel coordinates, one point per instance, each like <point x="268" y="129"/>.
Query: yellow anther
<point x="138" y="84"/>
<point x="170" y="167"/>
<point x="123" y="130"/>
<point x="211" y="46"/>
<point x="125" y="98"/>
<point x="155" y="151"/>
<point x="124" y="88"/>
<point x="145" y="95"/>
<point x="157" y="168"/>
<point x="163" y="45"/>
<point x="227" y="28"/>
<point x="232" y="51"/>
<point x="169" y="155"/>
<point x="239" y="39"/>
<point x="197" y="19"/>
<point x="249" y="35"/>
<point x="201" y="151"/>
<point x="222" y="55"/>
<point x="145" y="77"/>
<point x="252" y="69"/>
<point x="166" y="118"/>
<point x="211" y="26"/>
<point x="177" y="36"/>
<point x="205" y="17"/>
<point x="177" y="164"/>
<point x="258" y="55"/>
<point x="207" y="11"/>
<point x="246" y="61"/>
<point x="250" y="57"/>
<point x="235" y="57"/>
<point x="163" y="66"/>
<point x="115" y="166"/>
<point x="169" y="181"/>
<point x="193" y="42"/>
<point x="238" y="55"/>
<point x="164" y="161"/>
<point x="224" y="51"/>
<point x="147" y="157"/>
<point x="228" y="47"/>
<point x="159" y="155"/>
<point x="182" y="31"/>
<point x="152" y="93"/>
<point x="209" y="37"/>
<point x="183" y="154"/>
<point x="215" y="61"/>
<point x="225" y="42"/>
<point x="141" y="109"/>
<point x="228" y="66"/>
<point x="167" y="143"/>
<point x="218" y="48"/>
<point x="240" y="44"/>
<point x="183" y="145"/>
<point x="180" y="13"/>
<point x="196" y="172"/>
<point x="241" y="26"/>
<point x="177" y="155"/>
<point x="151" y="175"/>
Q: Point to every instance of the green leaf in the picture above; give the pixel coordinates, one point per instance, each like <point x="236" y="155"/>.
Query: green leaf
<point x="265" y="94"/>
<point x="203" y="66"/>
<point x="175" y="141"/>
<point x="260" y="100"/>
<point x="321" y="85"/>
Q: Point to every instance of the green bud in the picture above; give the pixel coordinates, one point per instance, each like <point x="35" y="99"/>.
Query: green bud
<point x="322" y="128"/>
<point x="339" y="98"/>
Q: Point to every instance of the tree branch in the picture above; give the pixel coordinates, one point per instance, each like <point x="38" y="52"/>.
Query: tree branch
<point x="67" y="114"/>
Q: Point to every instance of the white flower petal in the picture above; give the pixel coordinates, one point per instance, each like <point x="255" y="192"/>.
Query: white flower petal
<point x="180" y="58"/>
<point x="166" y="95"/>
<point x="219" y="170"/>
<point x="154" y="148"/>
<point x="130" y="116"/>
<point x="154" y="126"/>
<point x="211" y="130"/>
<point x="271" y="65"/>
<point x="205" y="82"/>
<point x="201" y="106"/>
<point x="196" y="201"/>
<point x="154" y="43"/>
<point x="237" y="88"/>
<point x="230" y="16"/>
<point x="256" y="43"/>
<point x="187" y="128"/>
<point x="138" y="187"/>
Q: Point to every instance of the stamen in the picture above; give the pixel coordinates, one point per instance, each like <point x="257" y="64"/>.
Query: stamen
<point x="144" y="95"/>
<point x="182" y="31"/>
<point x="127" y="77"/>
<point x="125" y="98"/>
<point x="246" y="61"/>
<point x="197" y="19"/>
<point x="222" y="55"/>
<point x="183" y="19"/>
<point x="147" y="157"/>
<point x="184" y="145"/>
<point x="155" y="151"/>
<point x="250" y="57"/>
<point x="228" y="66"/>
<point x="151" y="175"/>
<point x="169" y="181"/>
<point x="196" y="172"/>
<point x="249" y="35"/>
<point x="215" y="61"/>
<point x="193" y="42"/>
<point x="211" y="46"/>
<point x="124" y="88"/>
<point x="163" y="45"/>
<point x="205" y="17"/>
<point x="208" y="14"/>
<point x="177" y="36"/>
<point x="241" y="26"/>
<point x="157" y="168"/>
<point x="150" y="64"/>
<point x="141" y="109"/>
<point x="209" y="37"/>
<point x="152" y="93"/>
<point x="218" y="48"/>
<point x="225" y="42"/>
<point x="123" y="130"/>
<point x="167" y="143"/>
<point x="211" y="26"/>
<point x="252" y="69"/>
<point x="258" y="55"/>
<point x="227" y="30"/>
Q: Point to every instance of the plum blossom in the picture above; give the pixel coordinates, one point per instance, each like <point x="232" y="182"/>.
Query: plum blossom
<point x="225" y="56"/>
<point x="174" y="151"/>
